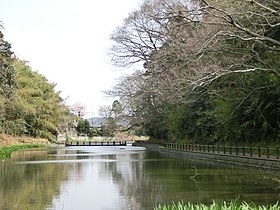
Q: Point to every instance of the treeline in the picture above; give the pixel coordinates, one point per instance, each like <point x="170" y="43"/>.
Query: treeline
<point x="211" y="70"/>
<point x="29" y="104"/>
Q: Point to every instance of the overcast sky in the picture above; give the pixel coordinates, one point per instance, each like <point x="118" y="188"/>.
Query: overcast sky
<point x="67" y="41"/>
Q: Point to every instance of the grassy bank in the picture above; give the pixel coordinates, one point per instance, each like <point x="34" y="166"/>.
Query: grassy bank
<point x="216" y="206"/>
<point x="6" y="140"/>
<point x="6" y="151"/>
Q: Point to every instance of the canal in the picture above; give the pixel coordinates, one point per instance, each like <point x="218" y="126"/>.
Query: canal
<point x="124" y="177"/>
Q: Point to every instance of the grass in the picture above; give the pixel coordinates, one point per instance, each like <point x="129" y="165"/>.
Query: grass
<point x="6" y="151"/>
<point x="233" y="205"/>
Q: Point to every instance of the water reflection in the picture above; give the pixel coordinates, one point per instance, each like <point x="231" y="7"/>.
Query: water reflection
<point x="123" y="178"/>
<point x="29" y="186"/>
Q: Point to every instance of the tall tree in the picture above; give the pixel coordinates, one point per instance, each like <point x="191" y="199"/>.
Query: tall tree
<point x="29" y="104"/>
<point x="117" y="109"/>
<point x="83" y="127"/>
<point x="7" y="72"/>
<point x="198" y="51"/>
<point x="38" y="103"/>
<point x="7" y="80"/>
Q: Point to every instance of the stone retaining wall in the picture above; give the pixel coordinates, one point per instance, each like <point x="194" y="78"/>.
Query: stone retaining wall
<point x="273" y="164"/>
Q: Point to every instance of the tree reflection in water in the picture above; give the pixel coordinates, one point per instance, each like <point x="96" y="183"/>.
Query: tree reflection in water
<point x="127" y="178"/>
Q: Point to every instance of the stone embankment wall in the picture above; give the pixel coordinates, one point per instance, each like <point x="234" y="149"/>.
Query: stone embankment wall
<point x="266" y="163"/>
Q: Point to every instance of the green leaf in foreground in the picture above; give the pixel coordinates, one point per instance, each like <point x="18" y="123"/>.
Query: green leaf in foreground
<point x="233" y="205"/>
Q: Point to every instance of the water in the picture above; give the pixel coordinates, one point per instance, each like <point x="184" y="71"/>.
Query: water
<point x="118" y="178"/>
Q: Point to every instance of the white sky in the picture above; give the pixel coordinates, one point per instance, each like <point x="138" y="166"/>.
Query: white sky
<point x="67" y="41"/>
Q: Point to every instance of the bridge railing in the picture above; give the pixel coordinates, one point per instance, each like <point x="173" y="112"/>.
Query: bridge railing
<point x="259" y="152"/>
<point x="95" y="143"/>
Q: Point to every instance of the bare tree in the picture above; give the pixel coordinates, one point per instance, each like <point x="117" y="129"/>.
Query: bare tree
<point x="141" y="99"/>
<point x="186" y="45"/>
<point x="216" y="38"/>
<point x="191" y="32"/>
<point x="140" y="35"/>
<point x="105" y="111"/>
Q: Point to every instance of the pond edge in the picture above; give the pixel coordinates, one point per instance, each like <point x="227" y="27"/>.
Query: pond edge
<point x="221" y="158"/>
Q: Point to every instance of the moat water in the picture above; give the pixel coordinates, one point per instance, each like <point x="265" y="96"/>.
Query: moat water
<point x="118" y="178"/>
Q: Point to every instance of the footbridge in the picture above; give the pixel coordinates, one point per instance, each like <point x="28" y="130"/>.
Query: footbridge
<point x="96" y="143"/>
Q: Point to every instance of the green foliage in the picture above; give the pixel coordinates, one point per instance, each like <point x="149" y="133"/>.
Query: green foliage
<point x="156" y="128"/>
<point x="7" y="71"/>
<point x="213" y="81"/>
<point x="175" y="123"/>
<point x="94" y="132"/>
<point x="83" y="127"/>
<point x="38" y="103"/>
<point x="248" y="110"/>
<point x="109" y="128"/>
<point x="238" y="108"/>
<point x="233" y="205"/>
<point x="29" y="105"/>
<point x="6" y="151"/>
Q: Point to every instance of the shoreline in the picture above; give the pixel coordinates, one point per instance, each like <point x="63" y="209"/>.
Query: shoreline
<point x="263" y="163"/>
<point x="10" y="144"/>
<point x="6" y="151"/>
